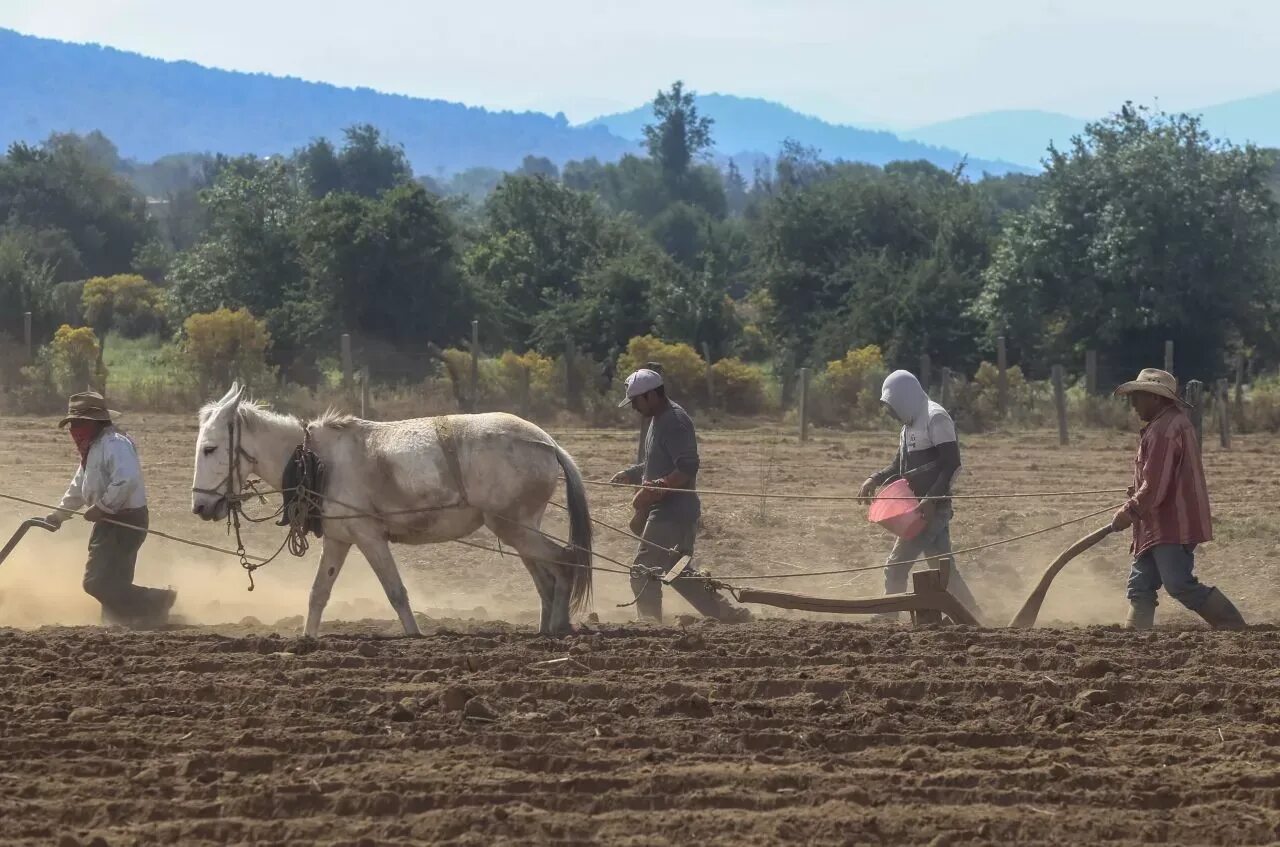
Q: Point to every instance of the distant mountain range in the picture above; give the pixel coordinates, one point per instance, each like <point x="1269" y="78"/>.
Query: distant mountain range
<point x="748" y="128"/>
<point x="1023" y="136"/>
<point x="151" y="108"/>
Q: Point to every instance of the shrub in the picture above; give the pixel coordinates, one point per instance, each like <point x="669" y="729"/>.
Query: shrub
<point x="126" y="303"/>
<point x="740" y="388"/>
<point x="683" y="370"/>
<point x="223" y="346"/>
<point x="752" y="346"/>
<point x="68" y="364"/>
<point x="848" y="390"/>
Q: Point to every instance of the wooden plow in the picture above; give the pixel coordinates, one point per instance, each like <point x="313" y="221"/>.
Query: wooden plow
<point x="929" y="599"/>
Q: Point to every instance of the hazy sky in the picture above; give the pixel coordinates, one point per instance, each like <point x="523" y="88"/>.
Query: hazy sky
<point x="897" y="62"/>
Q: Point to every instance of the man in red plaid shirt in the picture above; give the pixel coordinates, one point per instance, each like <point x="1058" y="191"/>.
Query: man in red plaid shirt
<point x="1168" y="508"/>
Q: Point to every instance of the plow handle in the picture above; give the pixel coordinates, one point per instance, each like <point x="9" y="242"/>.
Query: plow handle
<point x="22" y="530"/>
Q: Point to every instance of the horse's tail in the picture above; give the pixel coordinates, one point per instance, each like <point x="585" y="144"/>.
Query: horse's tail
<point x="579" y="530"/>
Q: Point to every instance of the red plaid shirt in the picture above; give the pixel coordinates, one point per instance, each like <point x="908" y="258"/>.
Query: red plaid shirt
<point x="1169" y="501"/>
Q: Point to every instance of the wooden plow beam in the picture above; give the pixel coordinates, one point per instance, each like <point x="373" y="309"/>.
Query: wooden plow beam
<point x="930" y="599"/>
<point x="927" y="603"/>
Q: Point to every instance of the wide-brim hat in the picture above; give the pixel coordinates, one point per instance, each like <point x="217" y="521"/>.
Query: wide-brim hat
<point x="88" y="406"/>
<point x="1154" y="381"/>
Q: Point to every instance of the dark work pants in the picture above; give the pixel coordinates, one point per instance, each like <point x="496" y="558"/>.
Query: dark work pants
<point x="108" y="575"/>
<point x="665" y="532"/>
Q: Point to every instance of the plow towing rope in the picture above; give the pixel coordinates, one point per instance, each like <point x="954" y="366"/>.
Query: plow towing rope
<point x="712" y="582"/>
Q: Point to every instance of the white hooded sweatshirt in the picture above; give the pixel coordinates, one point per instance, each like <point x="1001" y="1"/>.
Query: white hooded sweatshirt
<point x="926" y="426"/>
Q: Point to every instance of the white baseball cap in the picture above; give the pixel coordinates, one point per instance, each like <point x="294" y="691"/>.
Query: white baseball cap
<point x="641" y="382"/>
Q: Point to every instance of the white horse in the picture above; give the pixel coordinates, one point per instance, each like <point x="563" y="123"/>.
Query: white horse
<point x="418" y="481"/>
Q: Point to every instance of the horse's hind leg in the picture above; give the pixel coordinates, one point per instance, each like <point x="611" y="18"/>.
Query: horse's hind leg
<point x="546" y="555"/>
<point x="545" y="583"/>
<point x="331" y="559"/>
<point x="378" y="552"/>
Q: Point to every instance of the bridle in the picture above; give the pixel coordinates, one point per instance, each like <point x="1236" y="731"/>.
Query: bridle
<point x="227" y="489"/>
<point x="230" y="490"/>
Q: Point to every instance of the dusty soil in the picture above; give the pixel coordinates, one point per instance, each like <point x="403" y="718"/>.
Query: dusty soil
<point x="827" y="730"/>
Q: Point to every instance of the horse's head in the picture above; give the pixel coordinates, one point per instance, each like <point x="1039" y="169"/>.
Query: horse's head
<point x="217" y="457"/>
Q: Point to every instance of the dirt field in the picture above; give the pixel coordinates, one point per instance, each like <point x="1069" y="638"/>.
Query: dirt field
<point x="816" y="731"/>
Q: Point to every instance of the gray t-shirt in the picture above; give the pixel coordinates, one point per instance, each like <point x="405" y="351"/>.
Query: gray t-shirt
<point x="672" y="445"/>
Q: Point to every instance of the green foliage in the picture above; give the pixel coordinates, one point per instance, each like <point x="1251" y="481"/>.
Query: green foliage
<point x="226" y="345"/>
<point x="1145" y="230"/>
<point x="678" y="135"/>
<point x="80" y="219"/>
<point x="367" y="165"/>
<point x="848" y="390"/>
<point x="71" y="362"/>
<point x="125" y="303"/>
<point x="683" y="371"/>
<point x="740" y="388"/>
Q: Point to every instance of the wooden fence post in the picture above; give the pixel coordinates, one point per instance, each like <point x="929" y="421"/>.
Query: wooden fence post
<point x="1240" y="391"/>
<point x="1224" y="415"/>
<point x="711" y="382"/>
<point x="927" y="581"/>
<point x="1060" y="401"/>
<point x="1195" y="398"/>
<point x="1002" y="383"/>
<point x="26" y="337"/>
<point x="526" y="393"/>
<point x="1091" y="372"/>
<point x="473" y="394"/>
<point x="926" y="371"/>
<point x="804" y="405"/>
<point x="364" y="391"/>
<point x="1168" y="356"/>
<point x="348" y="375"/>
<point x="945" y="393"/>
<point x="572" y="400"/>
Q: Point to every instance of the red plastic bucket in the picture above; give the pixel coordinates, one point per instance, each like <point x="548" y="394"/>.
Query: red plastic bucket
<point x="897" y="510"/>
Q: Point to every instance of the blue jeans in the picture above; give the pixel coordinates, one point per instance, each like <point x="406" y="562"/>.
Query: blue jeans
<point x="933" y="540"/>
<point x="1172" y="566"/>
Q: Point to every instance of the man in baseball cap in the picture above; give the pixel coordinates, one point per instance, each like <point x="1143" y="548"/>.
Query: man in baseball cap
<point x="1168" y="507"/>
<point x="667" y="508"/>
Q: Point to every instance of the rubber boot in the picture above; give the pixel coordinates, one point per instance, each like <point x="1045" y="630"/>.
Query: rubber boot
<point x="648" y="594"/>
<point x="1220" y="613"/>
<point x="709" y="602"/>
<point x="1142" y="614"/>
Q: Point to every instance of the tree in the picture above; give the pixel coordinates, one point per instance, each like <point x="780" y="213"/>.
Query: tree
<point x="539" y="237"/>
<point x="82" y="219"/>
<point x="366" y="165"/>
<point x="678" y="136"/>
<point x="1146" y="229"/>
<point x="126" y="303"/>
<point x="388" y="266"/>
<point x="539" y="166"/>
<point x="249" y="255"/>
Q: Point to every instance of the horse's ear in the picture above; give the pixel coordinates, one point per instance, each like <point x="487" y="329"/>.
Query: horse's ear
<point x="231" y="392"/>
<point x="236" y="394"/>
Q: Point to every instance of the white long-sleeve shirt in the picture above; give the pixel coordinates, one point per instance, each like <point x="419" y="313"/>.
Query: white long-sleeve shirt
<point x="110" y="478"/>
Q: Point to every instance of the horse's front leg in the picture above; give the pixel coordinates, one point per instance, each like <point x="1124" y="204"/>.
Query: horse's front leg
<point x="331" y="560"/>
<point x="378" y="552"/>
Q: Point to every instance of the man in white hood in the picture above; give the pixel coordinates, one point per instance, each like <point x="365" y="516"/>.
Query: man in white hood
<point x="928" y="458"/>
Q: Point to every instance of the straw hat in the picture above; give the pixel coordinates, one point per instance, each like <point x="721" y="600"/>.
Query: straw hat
<point x="87" y="406"/>
<point x="1153" y="381"/>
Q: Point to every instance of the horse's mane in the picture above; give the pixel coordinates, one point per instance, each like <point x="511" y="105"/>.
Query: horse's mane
<point x="254" y="412"/>
<point x="333" y="419"/>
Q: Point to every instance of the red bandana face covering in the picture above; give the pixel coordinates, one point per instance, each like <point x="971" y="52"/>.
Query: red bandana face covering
<point x="84" y="433"/>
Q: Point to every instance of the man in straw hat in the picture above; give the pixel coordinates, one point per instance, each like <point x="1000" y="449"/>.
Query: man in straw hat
<point x="1168" y="508"/>
<point x="109" y="482"/>
<point x="667" y="519"/>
